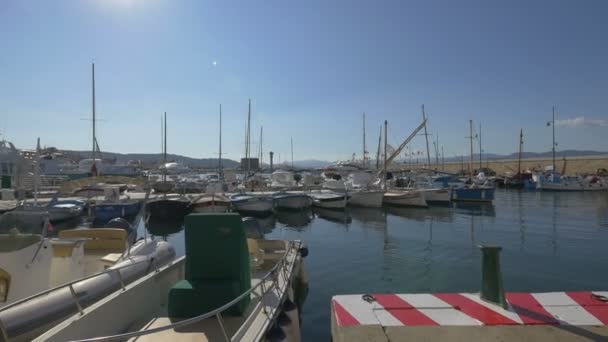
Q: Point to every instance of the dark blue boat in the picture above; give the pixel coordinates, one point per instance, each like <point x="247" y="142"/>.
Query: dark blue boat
<point x="473" y="194"/>
<point x="107" y="211"/>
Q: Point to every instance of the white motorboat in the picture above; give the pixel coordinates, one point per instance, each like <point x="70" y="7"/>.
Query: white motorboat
<point x="329" y="199"/>
<point x="292" y="200"/>
<point x="252" y="204"/>
<point x="406" y="198"/>
<point x="366" y="198"/>
<point x="213" y="203"/>
<point x="194" y="298"/>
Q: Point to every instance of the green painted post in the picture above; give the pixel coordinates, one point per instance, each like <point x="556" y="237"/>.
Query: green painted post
<point x="491" y="277"/>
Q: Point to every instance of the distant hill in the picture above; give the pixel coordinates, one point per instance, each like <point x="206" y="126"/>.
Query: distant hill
<point x="156" y="158"/>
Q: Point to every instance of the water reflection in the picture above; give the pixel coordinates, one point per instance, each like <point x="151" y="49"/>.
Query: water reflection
<point x="266" y="224"/>
<point x="374" y="217"/>
<point x="474" y="209"/>
<point x="294" y="219"/>
<point x="438" y="213"/>
<point x="338" y="216"/>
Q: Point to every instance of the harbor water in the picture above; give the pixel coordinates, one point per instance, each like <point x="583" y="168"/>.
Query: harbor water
<point x="551" y="242"/>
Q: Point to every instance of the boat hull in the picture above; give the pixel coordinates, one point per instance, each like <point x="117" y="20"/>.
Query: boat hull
<point x="437" y="195"/>
<point x="473" y="194"/>
<point x="253" y="205"/>
<point x="572" y="186"/>
<point x="108" y="211"/>
<point x="168" y="209"/>
<point x="294" y="202"/>
<point x="405" y="199"/>
<point x="335" y="202"/>
<point x="364" y="198"/>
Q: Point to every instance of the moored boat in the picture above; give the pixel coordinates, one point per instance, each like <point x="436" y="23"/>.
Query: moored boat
<point x="105" y="211"/>
<point x="366" y="198"/>
<point x="213" y="203"/>
<point x="226" y="287"/>
<point x="329" y="199"/>
<point x="437" y="195"/>
<point x="292" y="200"/>
<point x="252" y="204"/>
<point x="406" y="198"/>
<point x="168" y="207"/>
<point x="473" y="193"/>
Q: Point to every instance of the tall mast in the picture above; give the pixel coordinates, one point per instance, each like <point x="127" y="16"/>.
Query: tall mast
<point x="248" y="139"/>
<point x="378" y="153"/>
<point x="480" y="150"/>
<point x="426" y="136"/>
<point x="93" y="114"/>
<point x="436" y="151"/>
<point x="471" y="157"/>
<point x="165" y="149"/>
<point x="521" y="143"/>
<point x="364" y="149"/>
<point x="220" y="166"/>
<point x="292" y="153"/>
<point x="385" y="150"/>
<point x="553" y="124"/>
<point x="261" y="140"/>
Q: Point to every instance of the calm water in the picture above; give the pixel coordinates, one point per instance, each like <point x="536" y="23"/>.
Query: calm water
<point x="551" y="241"/>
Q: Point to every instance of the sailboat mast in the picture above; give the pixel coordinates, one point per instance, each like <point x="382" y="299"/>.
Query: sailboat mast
<point x="364" y="155"/>
<point x="248" y="139"/>
<point x="436" y="151"/>
<point x="553" y="125"/>
<point x="165" y="149"/>
<point x="521" y="143"/>
<point x="261" y="140"/>
<point x="480" y="150"/>
<point x="219" y="163"/>
<point x="93" y="114"/>
<point x="471" y="141"/>
<point x="385" y="151"/>
<point x="378" y="153"/>
<point x="426" y="136"/>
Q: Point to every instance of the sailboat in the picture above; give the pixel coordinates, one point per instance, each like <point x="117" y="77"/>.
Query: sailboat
<point x="167" y="207"/>
<point x="405" y="198"/>
<point x="471" y="191"/>
<point x="555" y="181"/>
<point x="519" y="180"/>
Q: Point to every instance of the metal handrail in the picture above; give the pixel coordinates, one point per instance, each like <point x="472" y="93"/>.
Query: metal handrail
<point x="56" y="288"/>
<point x="186" y="322"/>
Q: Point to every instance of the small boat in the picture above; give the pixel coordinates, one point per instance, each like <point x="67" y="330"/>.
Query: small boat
<point x="225" y="288"/>
<point x="292" y="200"/>
<point x="252" y="204"/>
<point x="58" y="210"/>
<point x="473" y="193"/>
<point x="405" y="198"/>
<point x="125" y="209"/>
<point x="366" y="198"/>
<point x="168" y="207"/>
<point x="555" y="182"/>
<point x="436" y="195"/>
<point x="214" y="203"/>
<point x="329" y="199"/>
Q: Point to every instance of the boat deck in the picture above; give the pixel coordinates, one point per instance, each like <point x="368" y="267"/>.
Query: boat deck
<point x="555" y="316"/>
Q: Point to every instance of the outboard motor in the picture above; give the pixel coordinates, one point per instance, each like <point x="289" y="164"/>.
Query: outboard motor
<point x="123" y="224"/>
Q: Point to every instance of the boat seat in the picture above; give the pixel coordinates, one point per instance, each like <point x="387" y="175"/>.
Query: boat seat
<point x="99" y="239"/>
<point x="217" y="266"/>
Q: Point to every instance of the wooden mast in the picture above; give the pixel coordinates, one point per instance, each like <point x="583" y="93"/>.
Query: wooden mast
<point x="521" y="143"/>
<point x="378" y="153"/>
<point x="471" y="157"/>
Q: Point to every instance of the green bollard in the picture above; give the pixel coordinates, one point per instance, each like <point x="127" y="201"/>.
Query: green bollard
<point x="491" y="278"/>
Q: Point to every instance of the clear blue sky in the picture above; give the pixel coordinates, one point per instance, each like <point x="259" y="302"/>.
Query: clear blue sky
<point x="311" y="69"/>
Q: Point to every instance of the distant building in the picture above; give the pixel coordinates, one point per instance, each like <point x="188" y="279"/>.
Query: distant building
<point x="252" y="163"/>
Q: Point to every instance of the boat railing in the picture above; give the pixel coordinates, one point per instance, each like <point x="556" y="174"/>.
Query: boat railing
<point x="70" y="285"/>
<point x="281" y="268"/>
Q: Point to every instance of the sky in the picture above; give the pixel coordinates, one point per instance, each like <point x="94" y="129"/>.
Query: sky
<point x="311" y="69"/>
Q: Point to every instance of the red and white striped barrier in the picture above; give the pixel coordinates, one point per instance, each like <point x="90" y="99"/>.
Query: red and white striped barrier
<point x="467" y="309"/>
